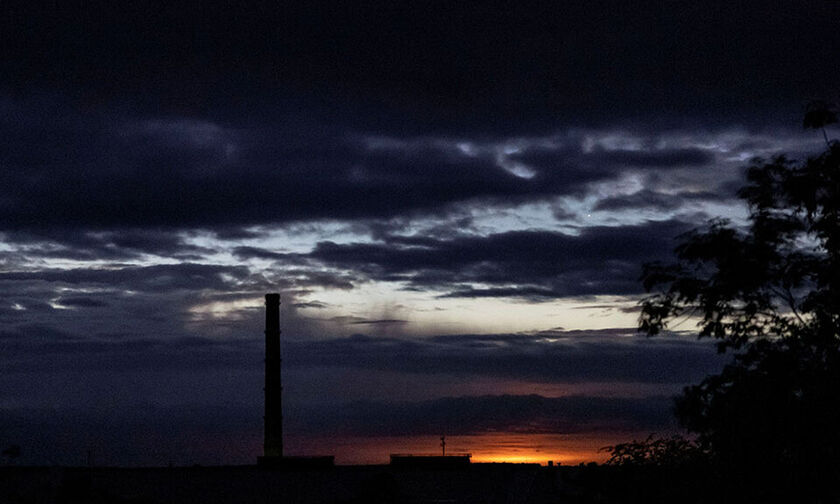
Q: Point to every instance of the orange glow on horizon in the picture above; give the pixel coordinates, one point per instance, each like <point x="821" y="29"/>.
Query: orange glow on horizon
<point x="566" y="449"/>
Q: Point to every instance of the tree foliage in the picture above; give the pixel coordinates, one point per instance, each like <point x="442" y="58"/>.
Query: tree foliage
<point x="778" y="277"/>
<point x="674" y="451"/>
<point x="769" y="291"/>
<point x="820" y="114"/>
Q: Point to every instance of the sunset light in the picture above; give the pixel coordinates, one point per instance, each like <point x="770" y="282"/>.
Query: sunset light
<point x="249" y="251"/>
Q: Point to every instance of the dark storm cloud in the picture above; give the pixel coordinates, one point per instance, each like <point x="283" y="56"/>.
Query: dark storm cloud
<point x="89" y="186"/>
<point x="38" y="333"/>
<point x="531" y="264"/>
<point x="35" y="348"/>
<point x="323" y="279"/>
<point x="105" y="245"/>
<point x="435" y="64"/>
<point x="657" y="158"/>
<point x="101" y="385"/>
<point x="138" y="433"/>
<point x="653" y="200"/>
<point x="530" y="293"/>
<point x="572" y="165"/>
<point x="310" y="304"/>
<point x="99" y="175"/>
<point x="219" y="118"/>
<point x="548" y="357"/>
<point x="459" y="416"/>
<point x="133" y="132"/>
<point x="570" y="169"/>
<point x="256" y="253"/>
<point x="135" y="433"/>
<point x="566" y="167"/>
<point x="552" y="357"/>
<point x="82" y="302"/>
<point x="117" y="301"/>
<point x="156" y="278"/>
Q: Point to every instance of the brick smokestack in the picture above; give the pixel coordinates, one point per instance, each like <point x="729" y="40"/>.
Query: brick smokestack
<point x="273" y="440"/>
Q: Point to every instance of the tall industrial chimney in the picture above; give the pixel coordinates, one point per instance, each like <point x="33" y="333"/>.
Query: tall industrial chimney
<point x="273" y="440"/>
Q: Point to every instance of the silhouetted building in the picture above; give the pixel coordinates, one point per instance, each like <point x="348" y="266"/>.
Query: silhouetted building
<point x="273" y="419"/>
<point x="430" y="461"/>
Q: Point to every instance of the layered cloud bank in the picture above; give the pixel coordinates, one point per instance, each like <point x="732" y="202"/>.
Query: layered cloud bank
<point x="454" y="201"/>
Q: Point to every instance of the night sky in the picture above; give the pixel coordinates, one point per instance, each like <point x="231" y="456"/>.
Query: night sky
<point x="454" y="200"/>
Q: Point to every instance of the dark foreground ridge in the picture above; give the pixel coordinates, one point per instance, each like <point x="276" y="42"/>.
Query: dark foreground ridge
<point x="474" y="483"/>
<point x="495" y="483"/>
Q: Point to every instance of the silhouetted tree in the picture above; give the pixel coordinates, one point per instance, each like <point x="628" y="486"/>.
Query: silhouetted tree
<point x="770" y="292"/>
<point x="820" y="114"/>
<point x="674" y="451"/>
<point x="657" y="469"/>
